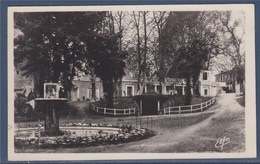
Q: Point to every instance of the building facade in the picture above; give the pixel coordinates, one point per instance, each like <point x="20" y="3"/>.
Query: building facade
<point x="128" y="86"/>
<point x="232" y="80"/>
<point x="207" y="84"/>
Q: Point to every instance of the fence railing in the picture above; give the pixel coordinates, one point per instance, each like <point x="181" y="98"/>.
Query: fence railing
<point x="189" y="108"/>
<point x="113" y="112"/>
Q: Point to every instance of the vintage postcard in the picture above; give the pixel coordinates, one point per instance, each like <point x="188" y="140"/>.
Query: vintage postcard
<point x="131" y="82"/>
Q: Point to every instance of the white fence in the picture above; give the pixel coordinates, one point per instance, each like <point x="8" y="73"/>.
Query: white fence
<point x="189" y="108"/>
<point x="113" y="112"/>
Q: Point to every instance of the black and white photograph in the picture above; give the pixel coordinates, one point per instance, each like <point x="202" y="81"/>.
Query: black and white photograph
<point x="131" y="82"/>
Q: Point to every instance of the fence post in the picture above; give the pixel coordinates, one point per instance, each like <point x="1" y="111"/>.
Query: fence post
<point x="124" y="111"/>
<point x="136" y="121"/>
<point x="141" y="107"/>
<point x="147" y="122"/>
<point x="105" y="110"/>
<point x="114" y="112"/>
<point x="169" y="110"/>
<point x="201" y="106"/>
<point x="158" y="106"/>
<point x="39" y="134"/>
<point x="97" y="109"/>
<point x="151" y="122"/>
<point x="179" y="109"/>
<point x="129" y="111"/>
<point x="191" y="108"/>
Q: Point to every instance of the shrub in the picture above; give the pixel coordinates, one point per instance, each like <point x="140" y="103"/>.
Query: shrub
<point x="120" y="103"/>
<point x="20" y="104"/>
<point x="24" y="111"/>
<point x="176" y="100"/>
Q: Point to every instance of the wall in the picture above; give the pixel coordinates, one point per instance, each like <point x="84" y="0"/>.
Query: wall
<point x="84" y="89"/>
<point x="130" y="83"/>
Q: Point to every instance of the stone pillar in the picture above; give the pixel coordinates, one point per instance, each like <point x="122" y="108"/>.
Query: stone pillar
<point x="158" y="106"/>
<point x="145" y="88"/>
<point x="51" y="120"/>
<point x="141" y="107"/>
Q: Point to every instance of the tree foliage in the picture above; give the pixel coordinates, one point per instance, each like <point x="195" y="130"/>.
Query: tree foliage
<point x="52" y="44"/>
<point x="187" y="45"/>
<point x="233" y="35"/>
<point x="189" y="62"/>
<point x="108" y="61"/>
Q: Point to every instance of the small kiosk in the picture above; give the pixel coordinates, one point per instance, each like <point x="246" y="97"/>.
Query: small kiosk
<point x="50" y="101"/>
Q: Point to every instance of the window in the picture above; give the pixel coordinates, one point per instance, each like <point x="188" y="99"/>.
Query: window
<point x="129" y="90"/>
<point x="205" y="92"/>
<point x="205" y="76"/>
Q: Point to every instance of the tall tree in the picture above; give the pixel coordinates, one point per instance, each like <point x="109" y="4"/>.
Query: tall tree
<point x="108" y="60"/>
<point x="185" y="33"/>
<point x="232" y="38"/>
<point x="137" y="22"/>
<point x="159" y="19"/>
<point x="181" y="29"/>
<point x="189" y="61"/>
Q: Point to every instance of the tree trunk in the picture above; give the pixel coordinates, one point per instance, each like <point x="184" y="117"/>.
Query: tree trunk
<point x="195" y="84"/>
<point x="144" y="65"/>
<point x="138" y="46"/>
<point x="188" y="91"/>
<point x="38" y="84"/>
<point x="159" y="21"/>
<point x="141" y="88"/>
<point x="163" y="85"/>
<point x="93" y="84"/>
<point x="110" y="101"/>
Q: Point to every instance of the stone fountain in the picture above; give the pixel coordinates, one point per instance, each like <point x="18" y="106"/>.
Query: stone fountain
<point x="50" y="101"/>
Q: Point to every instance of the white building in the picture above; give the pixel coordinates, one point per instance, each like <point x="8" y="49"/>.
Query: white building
<point x="207" y="83"/>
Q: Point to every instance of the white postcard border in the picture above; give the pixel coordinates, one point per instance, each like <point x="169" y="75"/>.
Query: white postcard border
<point x="250" y="86"/>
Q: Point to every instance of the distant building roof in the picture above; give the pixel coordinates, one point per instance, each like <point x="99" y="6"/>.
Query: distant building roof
<point x="233" y="70"/>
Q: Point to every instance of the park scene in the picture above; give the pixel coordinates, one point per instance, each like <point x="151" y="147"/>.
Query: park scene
<point x="129" y="82"/>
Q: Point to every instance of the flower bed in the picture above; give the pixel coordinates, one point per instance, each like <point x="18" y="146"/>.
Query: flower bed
<point x="123" y="134"/>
